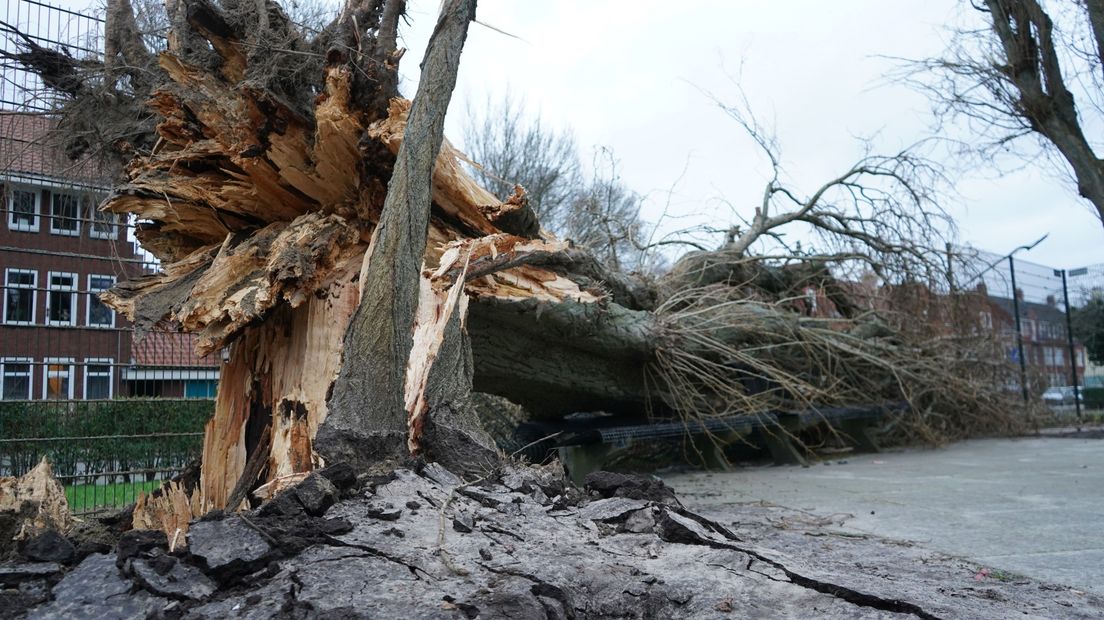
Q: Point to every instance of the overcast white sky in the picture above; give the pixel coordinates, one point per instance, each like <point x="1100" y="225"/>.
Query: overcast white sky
<point x="629" y="75"/>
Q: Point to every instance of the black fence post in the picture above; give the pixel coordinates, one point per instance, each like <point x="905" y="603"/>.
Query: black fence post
<point x="950" y="268"/>
<point x="1019" y="329"/>
<point x="1069" y="340"/>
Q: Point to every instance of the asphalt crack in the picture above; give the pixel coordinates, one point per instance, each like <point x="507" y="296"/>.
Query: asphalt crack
<point x="850" y="595"/>
<point x="413" y="568"/>
<point x="681" y="534"/>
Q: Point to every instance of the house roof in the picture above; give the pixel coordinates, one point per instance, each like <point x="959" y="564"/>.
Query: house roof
<point x="169" y="350"/>
<point x="29" y="148"/>
<point x="1031" y="309"/>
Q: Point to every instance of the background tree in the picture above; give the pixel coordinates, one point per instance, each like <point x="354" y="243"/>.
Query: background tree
<point x="1023" y="76"/>
<point x="604" y="216"/>
<point x="1088" y="327"/>
<point x="509" y="147"/>
<point x="513" y="148"/>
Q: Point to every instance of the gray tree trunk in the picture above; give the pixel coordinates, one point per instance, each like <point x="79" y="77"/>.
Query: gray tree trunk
<point x="1032" y="66"/>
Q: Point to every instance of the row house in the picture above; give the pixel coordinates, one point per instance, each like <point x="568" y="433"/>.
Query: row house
<point x="57" y="253"/>
<point x="1046" y="346"/>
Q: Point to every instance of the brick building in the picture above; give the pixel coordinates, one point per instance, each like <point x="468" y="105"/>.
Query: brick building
<point x="58" y="341"/>
<point x="1045" y="342"/>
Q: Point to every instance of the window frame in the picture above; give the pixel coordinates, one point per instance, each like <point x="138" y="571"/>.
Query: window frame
<point x="72" y="290"/>
<point x="88" y="302"/>
<point x="67" y="362"/>
<point x="61" y="232"/>
<point x="93" y="212"/>
<point x="9" y="199"/>
<point x="99" y="361"/>
<point x="4" y="362"/>
<point x="34" y="295"/>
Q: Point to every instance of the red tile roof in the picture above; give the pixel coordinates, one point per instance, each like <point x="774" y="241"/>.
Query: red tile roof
<point x="170" y="349"/>
<point x="29" y="145"/>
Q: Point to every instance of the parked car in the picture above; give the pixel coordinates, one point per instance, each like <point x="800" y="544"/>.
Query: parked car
<point x="1062" y="395"/>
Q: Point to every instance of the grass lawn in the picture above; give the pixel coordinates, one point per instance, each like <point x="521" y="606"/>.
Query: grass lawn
<point x="85" y="497"/>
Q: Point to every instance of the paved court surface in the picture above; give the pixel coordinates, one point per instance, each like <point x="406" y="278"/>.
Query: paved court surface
<point x="1033" y="506"/>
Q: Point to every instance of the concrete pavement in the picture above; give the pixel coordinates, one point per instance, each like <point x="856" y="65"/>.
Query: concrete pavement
<point x="1033" y="506"/>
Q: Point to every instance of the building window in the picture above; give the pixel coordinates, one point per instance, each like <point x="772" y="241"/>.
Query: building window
<point x="104" y="225"/>
<point x="61" y="298"/>
<point x="23" y="209"/>
<point x="1047" y="331"/>
<point x="65" y="214"/>
<point x="99" y="315"/>
<point x="98" y="375"/>
<point x="58" y="379"/>
<point x="20" y="293"/>
<point x="986" y="320"/>
<point x="200" y="388"/>
<point x="17" y="378"/>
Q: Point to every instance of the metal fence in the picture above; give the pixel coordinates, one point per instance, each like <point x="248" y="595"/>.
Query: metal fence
<point x="114" y="409"/>
<point x="79" y="34"/>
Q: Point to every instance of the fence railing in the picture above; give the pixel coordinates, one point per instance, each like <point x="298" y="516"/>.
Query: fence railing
<point x="103" y="452"/>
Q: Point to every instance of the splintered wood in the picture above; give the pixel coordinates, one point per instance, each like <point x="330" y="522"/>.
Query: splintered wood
<point x="37" y="501"/>
<point x="168" y="509"/>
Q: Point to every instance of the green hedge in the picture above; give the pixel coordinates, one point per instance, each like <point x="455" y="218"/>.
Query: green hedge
<point x="1093" y="398"/>
<point x="96" y="441"/>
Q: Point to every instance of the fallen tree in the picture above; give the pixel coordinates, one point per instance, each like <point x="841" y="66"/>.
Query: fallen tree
<point x="316" y="228"/>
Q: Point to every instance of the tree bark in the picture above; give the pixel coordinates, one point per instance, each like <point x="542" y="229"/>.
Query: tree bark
<point x="560" y="358"/>
<point x="1033" y="67"/>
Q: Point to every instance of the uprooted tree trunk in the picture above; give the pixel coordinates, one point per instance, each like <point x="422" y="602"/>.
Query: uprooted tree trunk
<point x="306" y="246"/>
<point x="319" y="231"/>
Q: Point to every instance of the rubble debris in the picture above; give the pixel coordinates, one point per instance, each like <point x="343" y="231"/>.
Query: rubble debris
<point x="15" y="574"/>
<point x="169" y="577"/>
<point x="136" y="543"/>
<point x="229" y="545"/>
<point x="47" y="546"/>
<point x="96" y="589"/>
<point x="316" y="494"/>
<point x="463" y="523"/>
<point x="384" y="511"/>
<point x="631" y="486"/>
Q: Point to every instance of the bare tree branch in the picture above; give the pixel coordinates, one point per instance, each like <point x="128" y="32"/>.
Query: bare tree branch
<point x="1011" y="80"/>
